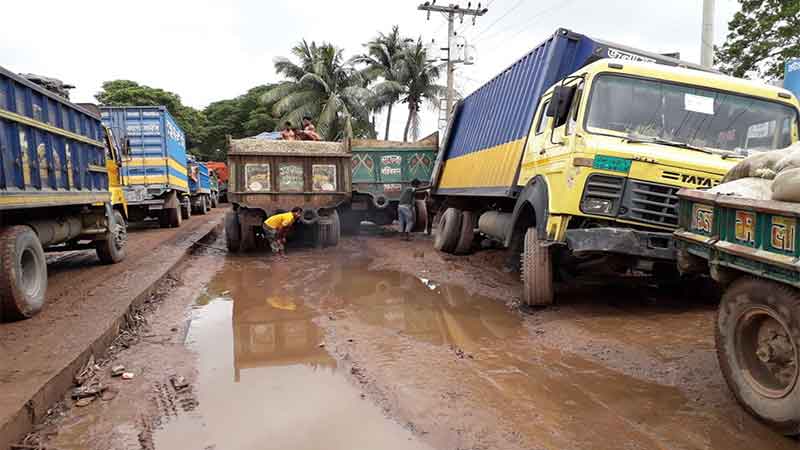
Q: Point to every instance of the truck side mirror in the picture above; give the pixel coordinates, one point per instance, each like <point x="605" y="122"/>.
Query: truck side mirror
<point x="559" y="105"/>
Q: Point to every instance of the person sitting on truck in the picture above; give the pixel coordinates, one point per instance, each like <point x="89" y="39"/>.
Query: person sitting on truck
<point x="276" y="228"/>
<point x="309" y="132"/>
<point x="405" y="210"/>
<point x="288" y="132"/>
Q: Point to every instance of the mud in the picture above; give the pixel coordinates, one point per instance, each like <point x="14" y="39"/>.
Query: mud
<point x="380" y="343"/>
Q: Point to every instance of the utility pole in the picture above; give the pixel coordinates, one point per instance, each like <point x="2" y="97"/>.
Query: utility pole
<point x="450" y="12"/>
<point x="707" y="38"/>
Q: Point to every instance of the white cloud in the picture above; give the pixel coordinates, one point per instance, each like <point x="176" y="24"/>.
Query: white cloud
<point x="208" y="50"/>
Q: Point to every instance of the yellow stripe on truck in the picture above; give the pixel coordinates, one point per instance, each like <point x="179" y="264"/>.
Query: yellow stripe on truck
<point x="134" y="162"/>
<point x="156" y="179"/>
<point x="492" y="167"/>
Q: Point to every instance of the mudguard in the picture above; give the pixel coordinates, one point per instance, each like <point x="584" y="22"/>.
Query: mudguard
<point x="535" y="195"/>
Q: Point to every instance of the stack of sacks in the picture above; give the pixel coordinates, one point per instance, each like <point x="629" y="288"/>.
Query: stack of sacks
<point x="771" y="175"/>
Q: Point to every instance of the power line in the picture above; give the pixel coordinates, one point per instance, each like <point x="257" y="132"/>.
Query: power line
<point x="509" y="11"/>
<point x="517" y="30"/>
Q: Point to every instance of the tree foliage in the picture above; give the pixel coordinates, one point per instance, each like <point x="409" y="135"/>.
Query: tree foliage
<point x="131" y="93"/>
<point x="419" y="86"/>
<point x="763" y="34"/>
<point x="239" y="117"/>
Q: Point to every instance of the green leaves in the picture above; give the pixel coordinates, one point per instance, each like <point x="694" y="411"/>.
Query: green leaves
<point x="762" y="36"/>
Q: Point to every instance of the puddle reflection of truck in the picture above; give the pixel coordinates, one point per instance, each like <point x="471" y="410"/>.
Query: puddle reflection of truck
<point x="573" y="160"/>
<point x="271" y="176"/>
<point x="156" y="185"/>
<point x="60" y="190"/>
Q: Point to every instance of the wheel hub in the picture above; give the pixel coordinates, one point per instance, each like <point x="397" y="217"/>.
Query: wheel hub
<point x="767" y="352"/>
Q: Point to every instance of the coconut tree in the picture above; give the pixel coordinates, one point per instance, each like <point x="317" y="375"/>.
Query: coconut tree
<point x="383" y="61"/>
<point x="419" y="77"/>
<point x="321" y="85"/>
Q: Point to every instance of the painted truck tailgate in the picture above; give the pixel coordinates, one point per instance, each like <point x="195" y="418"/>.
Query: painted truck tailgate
<point x="385" y="167"/>
<point x="52" y="152"/>
<point x="483" y="146"/>
<point x="157" y="146"/>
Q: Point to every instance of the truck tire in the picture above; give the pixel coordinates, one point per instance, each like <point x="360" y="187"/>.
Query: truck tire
<point x="334" y="230"/>
<point x="248" y="238"/>
<point x="112" y="249"/>
<point x="537" y="271"/>
<point x="233" y="235"/>
<point x="467" y="233"/>
<point x="174" y="216"/>
<point x="421" y="216"/>
<point x="350" y="223"/>
<point x="214" y="201"/>
<point x="758" y="346"/>
<point x="186" y="209"/>
<point x="320" y="234"/>
<point x="23" y="275"/>
<point x="203" y="208"/>
<point x="448" y="230"/>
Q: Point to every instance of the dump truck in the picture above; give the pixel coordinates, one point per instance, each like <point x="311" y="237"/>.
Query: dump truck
<point x="273" y="176"/>
<point x="751" y="248"/>
<point x="59" y="190"/>
<point x="572" y="157"/>
<point x="199" y="186"/>
<point x="154" y="174"/>
<point x="213" y="181"/>
<point x="380" y="172"/>
<point x="221" y="170"/>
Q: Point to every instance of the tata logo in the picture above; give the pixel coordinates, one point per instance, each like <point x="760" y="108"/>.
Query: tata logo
<point x="699" y="181"/>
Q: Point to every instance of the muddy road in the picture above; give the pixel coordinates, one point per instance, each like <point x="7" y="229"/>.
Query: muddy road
<point x="380" y="343"/>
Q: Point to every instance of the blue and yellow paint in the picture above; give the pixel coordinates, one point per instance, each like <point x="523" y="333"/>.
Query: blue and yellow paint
<point x="494" y="167"/>
<point x="154" y="170"/>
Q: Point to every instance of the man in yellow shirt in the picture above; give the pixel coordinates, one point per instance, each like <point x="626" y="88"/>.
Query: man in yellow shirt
<point x="276" y="227"/>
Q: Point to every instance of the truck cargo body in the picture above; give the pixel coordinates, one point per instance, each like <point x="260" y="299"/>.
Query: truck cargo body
<point x="221" y="170"/>
<point x="199" y="185"/>
<point x="55" y="188"/>
<point x="381" y="170"/>
<point x="155" y="172"/>
<point x="483" y="145"/>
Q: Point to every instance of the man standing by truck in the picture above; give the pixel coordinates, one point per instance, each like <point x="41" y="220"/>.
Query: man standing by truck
<point x="277" y="226"/>
<point x="405" y="210"/>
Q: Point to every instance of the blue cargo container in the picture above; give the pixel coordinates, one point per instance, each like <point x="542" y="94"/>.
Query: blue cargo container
<point x="155" y="176"/>
<point x="199" y="185"/>
<point x="57" y="171"/>
<point x="483" y="144"/>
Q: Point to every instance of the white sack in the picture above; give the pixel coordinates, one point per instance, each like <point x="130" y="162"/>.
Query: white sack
<point x="786" y="186"/>
<point x="755" y="188"/>
<point x="762" y="165"/>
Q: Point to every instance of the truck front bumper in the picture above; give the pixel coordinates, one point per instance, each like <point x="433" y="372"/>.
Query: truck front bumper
<point x="624" y="241"/>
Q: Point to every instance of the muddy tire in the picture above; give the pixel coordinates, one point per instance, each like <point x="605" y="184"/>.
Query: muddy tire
<point x="203" y="208"/>
<point x="248" y="238"/>
<point x="173" y="217"/>
<point x="448" y="230"/>
<point x="537" y="271"/>
<point x="113" y="249"/>
<point x="233" y="238"/>
<point x="23" y="273"/>
<point x="214" y="202"/>
<point x="186" y="209"/>
<point x="467" y="233"/>
<point x="758" y="345"/>
<point x="334" y="230"/>
<point x="420" y="216"/>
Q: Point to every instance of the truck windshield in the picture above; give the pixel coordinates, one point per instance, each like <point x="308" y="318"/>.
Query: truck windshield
<point x="697" y="117"/>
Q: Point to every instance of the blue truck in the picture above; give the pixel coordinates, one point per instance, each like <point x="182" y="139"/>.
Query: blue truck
<point x="154" y="174"/>
<point x="59" y="190"/>
<point x="200" y="193"/>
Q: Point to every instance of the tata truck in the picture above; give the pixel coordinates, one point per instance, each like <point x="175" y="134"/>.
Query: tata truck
<point x="572" y="157"/>
<point x="154" y="173"/>
<point x="199" y="186"/>
<point x="60" y="189"/>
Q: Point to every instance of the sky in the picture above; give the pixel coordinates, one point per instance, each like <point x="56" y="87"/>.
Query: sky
<point x="212" y="50"/>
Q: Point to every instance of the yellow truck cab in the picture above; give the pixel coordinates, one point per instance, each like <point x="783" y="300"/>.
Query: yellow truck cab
<point x="606" y="150"/>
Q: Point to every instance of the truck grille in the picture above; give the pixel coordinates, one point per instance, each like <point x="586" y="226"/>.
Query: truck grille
<point x="651" y="203"/>
<point x="603" y="188"/>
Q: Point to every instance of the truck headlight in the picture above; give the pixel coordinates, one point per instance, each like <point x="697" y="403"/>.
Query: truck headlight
<point x="602" y="195"/>
<point x="599" y="206"/>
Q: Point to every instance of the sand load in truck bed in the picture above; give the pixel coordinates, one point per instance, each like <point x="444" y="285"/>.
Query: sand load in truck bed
<point x="264" y="146"/>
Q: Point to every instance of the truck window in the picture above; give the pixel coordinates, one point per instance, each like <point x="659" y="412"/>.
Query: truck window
<point x="541" y="122"/>
<point x="573" y="111"/>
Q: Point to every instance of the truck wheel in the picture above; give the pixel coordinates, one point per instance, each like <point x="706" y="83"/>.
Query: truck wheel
<point x="248" y="238"/>
<point x="112" y="249"/>
<point x="758" y="346"/>
<point x="186" y="209"/>
<point x="467" y="233"/>
<point x="448" y="230"/>
<point x="232" y="233"/>
<point x="23" y="277"/>
<point x="320" y="234"/>
<point x="334" y="230"/>
<point x="537" y="271"/>
<point x="421" y="216"/>
<point x="214" y="200"/>
<point x="203" y="208"/>
<point x="174" y="216"/>
<point x="350" y="223"/>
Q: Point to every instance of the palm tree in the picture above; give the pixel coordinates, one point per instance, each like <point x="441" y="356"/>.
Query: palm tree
<point x="419" y="85"/>
<point x="383" y="59"/>
<point x="322" y="86"/>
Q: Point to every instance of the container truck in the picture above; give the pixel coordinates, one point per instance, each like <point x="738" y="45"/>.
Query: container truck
<point x="221" y="170"/>
<point x="199" y="186"/>
<point x="59" y="190"/>
<point x="214" y="182"/>
<point x="573" y="155"/>
<point x="752" y="249"/>
<point x="273" y="176"/>
<point x="380" y="172"/>
<point x="154" y="174"/>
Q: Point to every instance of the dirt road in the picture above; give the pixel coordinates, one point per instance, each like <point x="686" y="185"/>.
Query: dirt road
<point x="384" y="344"/>
<point x="84" y="299"/>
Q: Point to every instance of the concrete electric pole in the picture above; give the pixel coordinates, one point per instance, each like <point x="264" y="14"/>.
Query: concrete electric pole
<point x="707" y="44"/>
<point x="450" y="12"/>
